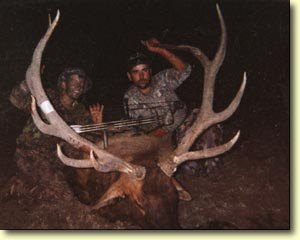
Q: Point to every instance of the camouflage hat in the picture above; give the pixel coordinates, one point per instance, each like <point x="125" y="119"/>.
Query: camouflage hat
<point x="65" y="75"/>
<point x="136" y="59"/>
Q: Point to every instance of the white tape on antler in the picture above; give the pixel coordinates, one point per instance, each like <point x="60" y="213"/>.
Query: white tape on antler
<point x="46" y="107"/>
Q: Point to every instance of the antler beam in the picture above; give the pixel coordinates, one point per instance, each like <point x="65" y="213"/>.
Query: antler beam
<point x="104" y="161"/>
<point x="206" y="116"/>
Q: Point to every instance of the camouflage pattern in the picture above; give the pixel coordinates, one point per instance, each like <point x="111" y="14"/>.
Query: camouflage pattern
<point x="162" y="101"/>
<point x="212" y="137"/>
<point x="34" y="147"/>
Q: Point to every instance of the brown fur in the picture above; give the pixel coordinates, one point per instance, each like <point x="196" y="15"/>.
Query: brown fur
<point x="151" y="203"/>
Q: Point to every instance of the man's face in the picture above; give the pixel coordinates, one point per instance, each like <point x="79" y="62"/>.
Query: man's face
<point x="140" y="75"/>
<point x="75" y="86"/>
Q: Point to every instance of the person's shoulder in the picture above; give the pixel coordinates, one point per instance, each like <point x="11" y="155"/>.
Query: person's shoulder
<point x="160" y="77"/>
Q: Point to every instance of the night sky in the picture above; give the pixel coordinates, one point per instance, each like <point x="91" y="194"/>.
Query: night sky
<point x="100" y="35"/>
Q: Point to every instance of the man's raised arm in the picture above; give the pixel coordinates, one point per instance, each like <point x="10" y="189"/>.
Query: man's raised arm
<point x="152" y="45"/>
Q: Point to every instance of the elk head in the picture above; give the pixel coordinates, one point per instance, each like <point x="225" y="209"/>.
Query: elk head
<point x="131" y="182"/>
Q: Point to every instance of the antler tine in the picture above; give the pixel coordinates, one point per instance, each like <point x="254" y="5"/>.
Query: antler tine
<point x="170" y="167"/>
<point x="226" y="113"/>
<point x="70" y="162"/>
<point x="33" y="77"/>
<point x="49" y="19"/>
<point x="207" y="153"/>
<point x="206" y="116"/>
<point x="105" y="161"/>
<point x="220" y="55"/>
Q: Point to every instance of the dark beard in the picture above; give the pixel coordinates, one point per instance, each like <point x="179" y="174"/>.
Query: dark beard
<point x="143" y="85"/>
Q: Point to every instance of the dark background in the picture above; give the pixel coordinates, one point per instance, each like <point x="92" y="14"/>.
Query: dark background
<point x="254" y="184"/>
<point x="100" y="35"/>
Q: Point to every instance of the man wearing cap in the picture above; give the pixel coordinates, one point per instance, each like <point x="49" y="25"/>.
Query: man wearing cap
<point x="154" y="95"/>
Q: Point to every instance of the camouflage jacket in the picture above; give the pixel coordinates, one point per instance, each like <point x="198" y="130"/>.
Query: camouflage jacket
<point x="161" y="102"/>
<point x="32" y="138"/>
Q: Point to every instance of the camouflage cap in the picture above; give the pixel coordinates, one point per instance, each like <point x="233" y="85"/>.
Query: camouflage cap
<point x="65" y="75"/>
<point x="136" y="59"/>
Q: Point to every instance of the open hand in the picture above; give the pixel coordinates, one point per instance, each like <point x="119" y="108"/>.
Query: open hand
<point x="96" y="111"/>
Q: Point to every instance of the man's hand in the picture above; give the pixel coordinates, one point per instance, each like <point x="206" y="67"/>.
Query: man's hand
<point x="96" y="111"/>
<point x="152" y="44"/>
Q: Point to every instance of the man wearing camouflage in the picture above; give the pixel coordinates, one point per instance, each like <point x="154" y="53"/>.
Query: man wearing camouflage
<point x="35" y="151"/>
<point x="154" y="96"/>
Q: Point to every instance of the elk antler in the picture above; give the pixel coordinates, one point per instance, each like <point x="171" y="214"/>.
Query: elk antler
<point x="104" y="161"/>
<point x="206" y="116"/>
